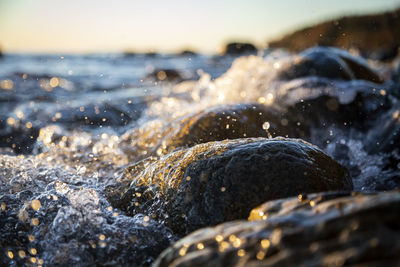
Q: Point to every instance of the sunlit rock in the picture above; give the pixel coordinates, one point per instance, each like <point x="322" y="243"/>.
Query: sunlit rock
<point x="220" y="181"/>
<point x="316" y="230"/>
<point x="213" y="124"/>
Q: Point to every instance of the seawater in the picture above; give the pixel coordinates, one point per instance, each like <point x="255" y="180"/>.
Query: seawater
<point x="97" y="114"/>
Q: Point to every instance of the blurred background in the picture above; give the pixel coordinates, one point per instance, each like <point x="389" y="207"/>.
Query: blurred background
<point x="61" y="26"/>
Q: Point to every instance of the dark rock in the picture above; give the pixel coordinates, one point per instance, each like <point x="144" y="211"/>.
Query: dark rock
<point x="214" y="124"/>
<point x="87" y="113"/>
<point x="368" y="33"/>
<point x="320" y="102"/>
<point x="385" y="136"/>
<point x="385" y="54"/>
<point x="239" y="48"/>
<point x="188" y="53"/>
<point x="395" y="90"/>
<point x="150" y="54"/>
<point x="220" y="181"/>
<point x="330" y="229"/>
<point x="384" y="139"/>
<point x="316" y="64"/>
<point x="168" y="75"/>
<point x="330" y="63"/>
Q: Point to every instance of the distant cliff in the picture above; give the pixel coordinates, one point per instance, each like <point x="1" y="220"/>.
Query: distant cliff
<point x="374" y="35"/>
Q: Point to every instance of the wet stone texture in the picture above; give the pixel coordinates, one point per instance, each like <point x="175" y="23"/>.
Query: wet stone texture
<point x="213" y="124"/>
<point x="329" y="229"/>
<point x="328" y="62"/>
<point x="220" y="181"/>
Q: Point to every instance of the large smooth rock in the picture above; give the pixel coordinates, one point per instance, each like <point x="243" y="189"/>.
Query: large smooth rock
<point x="216" y="123"/>
<point x="330" y="63"/>
<point x="316" y="230"/>
<point x="220" y="181"/>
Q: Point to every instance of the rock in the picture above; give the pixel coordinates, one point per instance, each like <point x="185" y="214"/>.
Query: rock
<point x="89" y="114"/>
<point x="385" y="136"/>
<point x="216" y="123"/>
<point x="220" y="181"/>
<point x="330" y="229"/>
<point x="315" y="64"/>
<point x="239" y="48"/>
<point x="384" y="140"/>
<point x="367" y="33"/>
<point x="188" y="53"/>
<point x="150" y="54"/>
<point x="330" y="63"/>
<point x="169" y="75"/>
<point x="230" y="122"/>
<point x="395" y="90"/>
<point x="319" y="102"/>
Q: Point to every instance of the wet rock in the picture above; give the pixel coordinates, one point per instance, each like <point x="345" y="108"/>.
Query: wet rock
<point x="230" y="122"/>
<point x="330" y="63"/>
<point x="384" y="139"/>
<point x="188" y="53"/>
<point x="316" y="230"/>
<point x="385" y="136"/>
<point x="168" y="75"/>
<point x="239" y="48"/>
<point x="220" y="181"/>
<point x="214" y="124"/>
<point x="316" y="63"/>
<point x="396" y="81"/>
<point x="317" y="102"/>
<point x="84" y="113"/>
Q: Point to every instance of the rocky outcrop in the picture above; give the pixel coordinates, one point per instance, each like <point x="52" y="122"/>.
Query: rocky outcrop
<point x="220" y="181"/>
<point x="377" y="36"/>
<point x="331" y="229"/>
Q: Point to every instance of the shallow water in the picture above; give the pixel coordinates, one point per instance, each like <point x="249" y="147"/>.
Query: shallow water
<point x="89" y="117"/>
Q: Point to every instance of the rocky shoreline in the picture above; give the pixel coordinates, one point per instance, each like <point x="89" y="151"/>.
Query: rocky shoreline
<point x="272" y="178"/>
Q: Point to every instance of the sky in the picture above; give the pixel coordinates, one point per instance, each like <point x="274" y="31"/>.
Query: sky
<point x="167" y="26"/>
